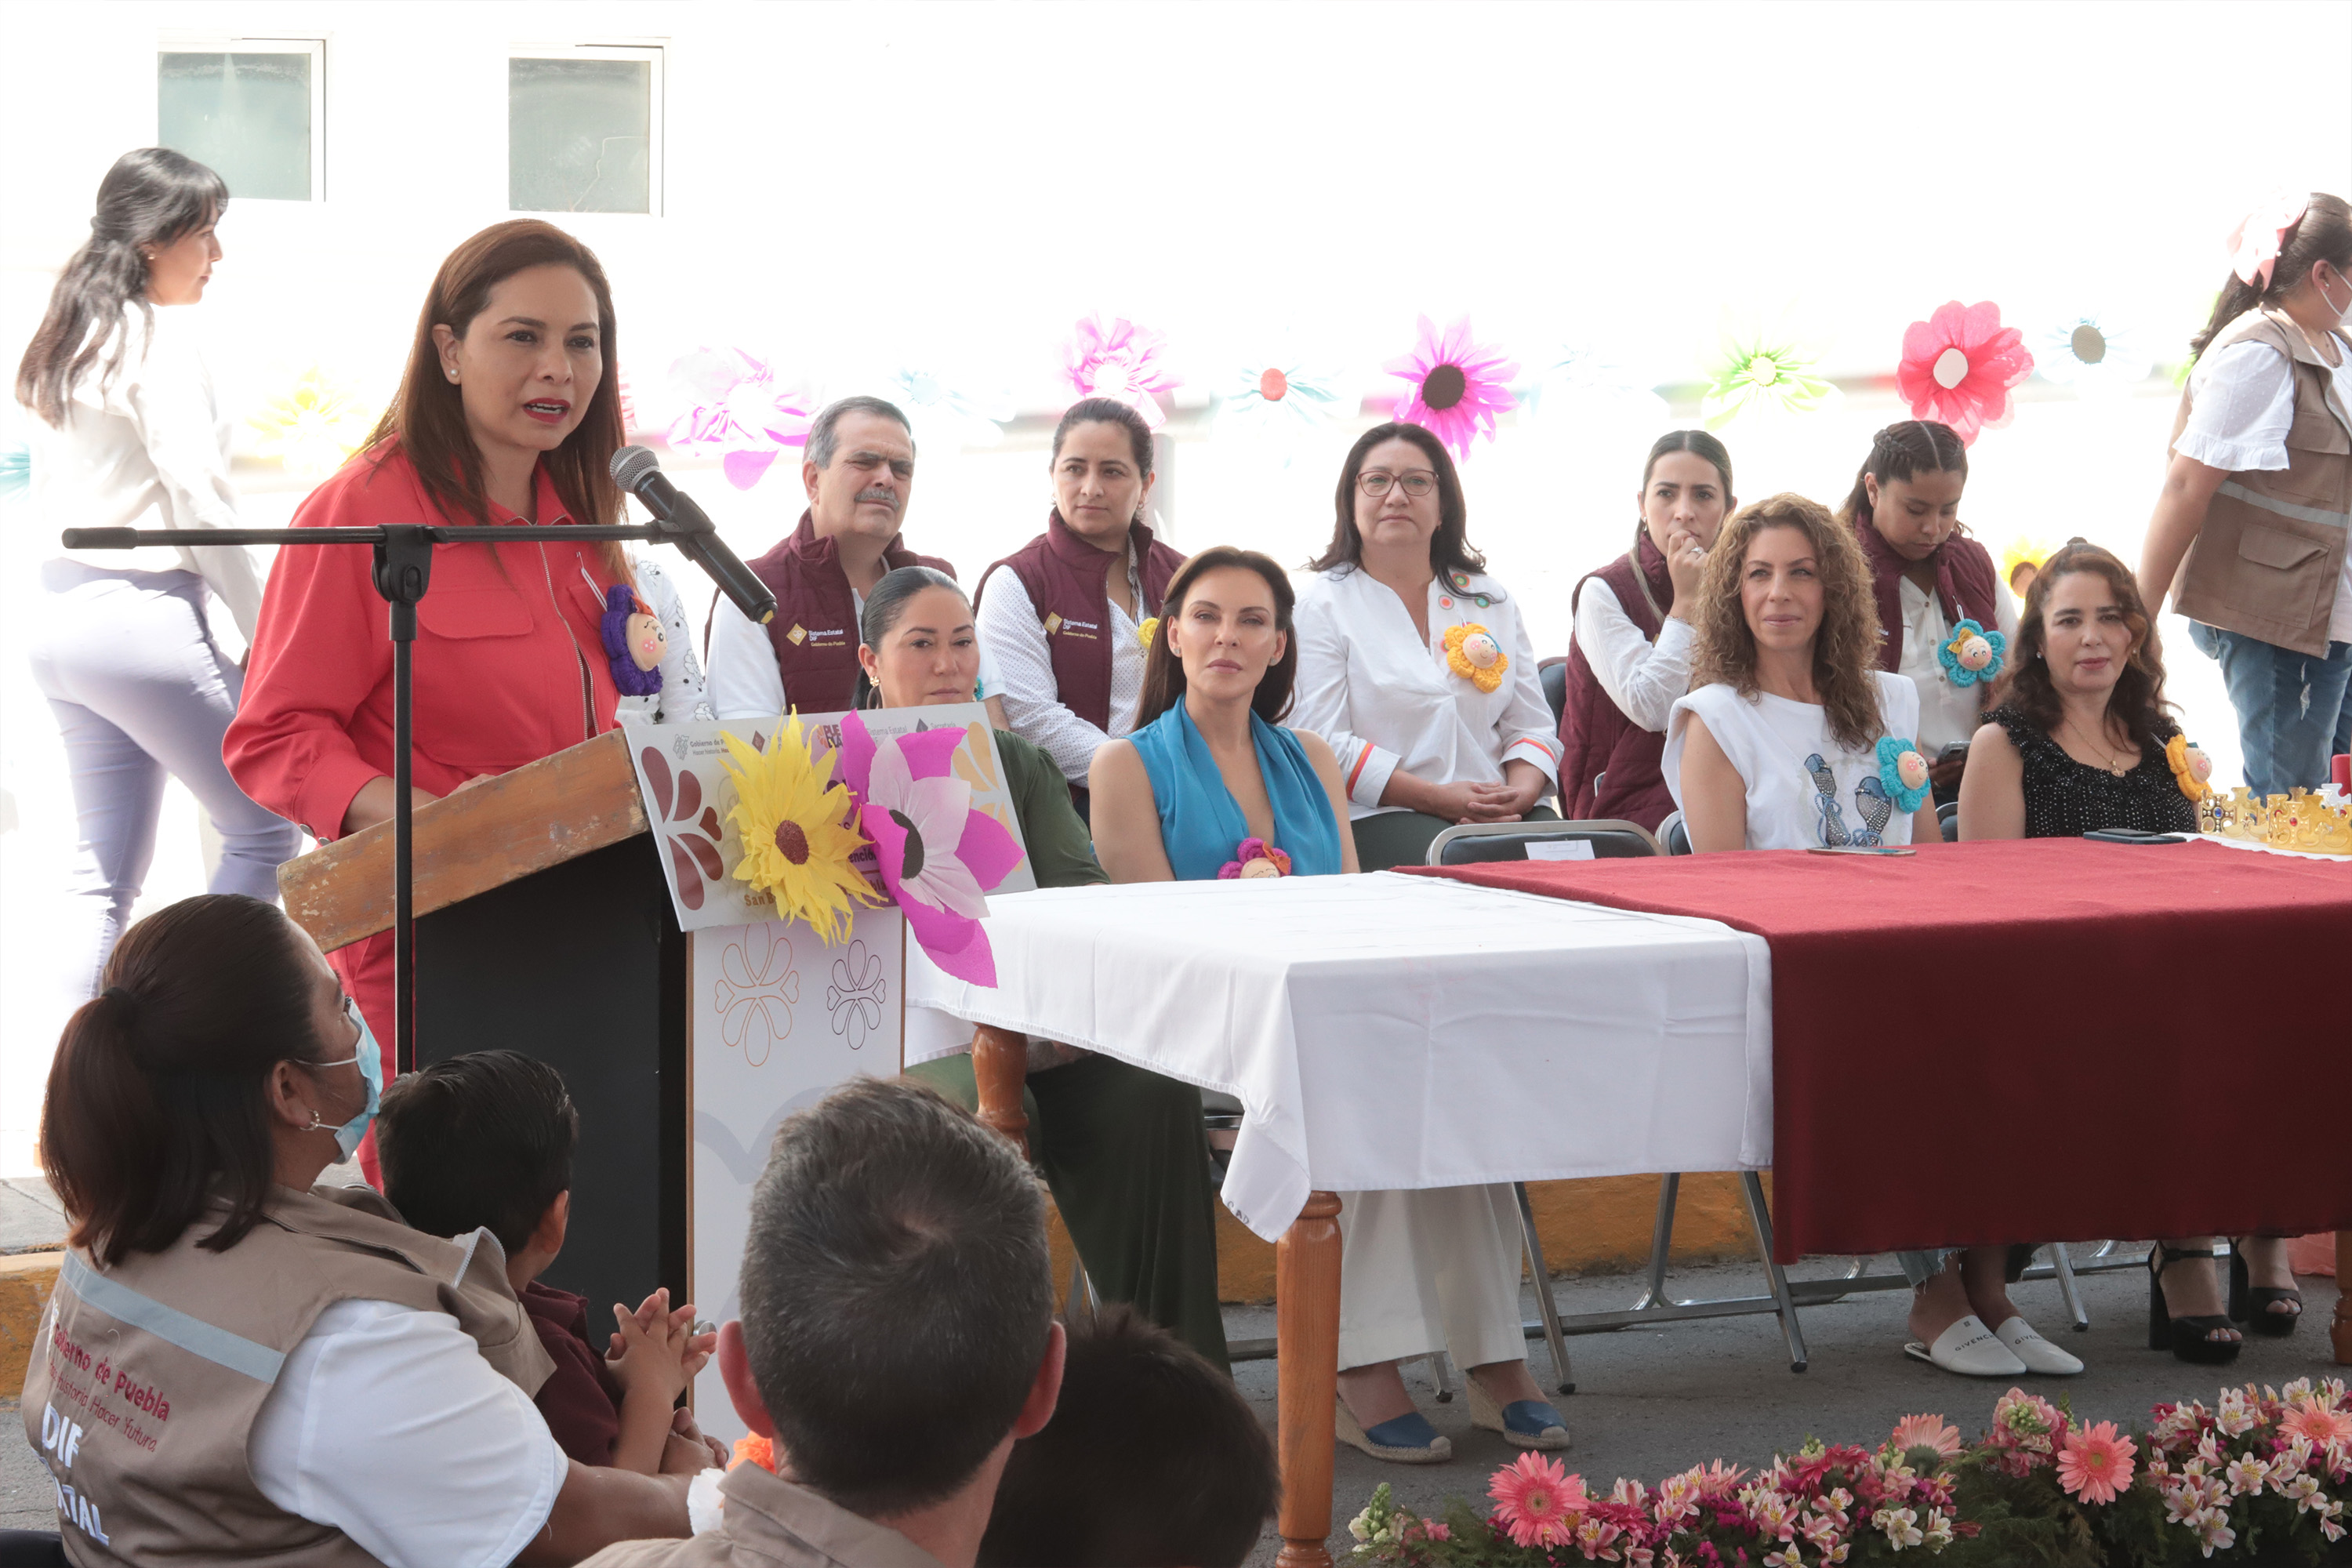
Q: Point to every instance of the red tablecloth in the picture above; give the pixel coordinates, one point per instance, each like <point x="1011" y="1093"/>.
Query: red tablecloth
<point x="2034" y="1040"/>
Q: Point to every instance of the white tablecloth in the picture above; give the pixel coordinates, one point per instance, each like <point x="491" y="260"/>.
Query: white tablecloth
<point x="1386" y="1031"/>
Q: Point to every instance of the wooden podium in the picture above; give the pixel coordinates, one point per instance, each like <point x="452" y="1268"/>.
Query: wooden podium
<point x="543" y="925"/>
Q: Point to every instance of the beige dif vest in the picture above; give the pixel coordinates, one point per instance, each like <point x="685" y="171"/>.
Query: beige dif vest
<point x="2267" y="562"/>
<point x="142" y="1392"/>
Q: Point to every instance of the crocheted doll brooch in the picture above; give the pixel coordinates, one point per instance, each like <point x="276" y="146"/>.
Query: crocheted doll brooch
<point x="1901" y="773"/>
<point x="634" y="641"/>
<point x="2191" y="766"/>
<point x="1472" y="653"/>
<point x="1972" y="653"/>
<point x="1255" y="858"/>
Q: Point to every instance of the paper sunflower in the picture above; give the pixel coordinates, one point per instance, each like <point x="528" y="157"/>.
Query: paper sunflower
<point x="1762" y="372"/>
<point x="1283" y="397"/>
<point x="1472" y="653"/>
<point x="792" y="818"/>
<point x="312" y="429"/>
<point x="1902" y="772"/>
<point x="1121" y="361"/>
<point x="2091" y="355"/>
<point x="938" y="857"/>
<point x="959" y="416"/>
<point x="1971" y="654"/>
<point x="1959" y="366"/>
<point x="1455" y="386"/>
<point x="2023" y="551"/>
<point x="737" y="408"/>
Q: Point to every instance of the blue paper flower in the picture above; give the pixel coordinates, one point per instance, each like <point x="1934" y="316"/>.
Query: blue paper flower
<point x="1971" y="654"/>
<point x="1903" y="770"/>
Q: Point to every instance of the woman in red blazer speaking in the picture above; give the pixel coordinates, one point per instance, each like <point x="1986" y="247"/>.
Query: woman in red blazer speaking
<point x="508" y="413"/>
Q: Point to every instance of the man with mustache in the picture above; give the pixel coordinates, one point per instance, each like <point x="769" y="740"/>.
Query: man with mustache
<point x="859" y="469"/>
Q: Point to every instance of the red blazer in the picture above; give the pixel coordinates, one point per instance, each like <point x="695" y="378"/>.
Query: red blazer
<point x="510" y="666"/>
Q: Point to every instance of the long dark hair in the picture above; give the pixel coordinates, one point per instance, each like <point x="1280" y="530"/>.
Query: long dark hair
<point x="1700" y="443"/>
<point x="1449" y="547"/>
<point x="2323" y="233"/>
<point x="428" y="416"/>
<point x="2138" y="698"/>
<point x="1163" y="672"/>
<point x="156" y="1103"/>
<point x="1904" y="451"/>
<point x="151" y="196"/>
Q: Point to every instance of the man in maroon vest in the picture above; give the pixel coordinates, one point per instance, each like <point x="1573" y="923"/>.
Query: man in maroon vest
<point x="859" y="470"/>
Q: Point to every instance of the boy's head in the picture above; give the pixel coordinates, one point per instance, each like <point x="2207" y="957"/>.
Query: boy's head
<point x="484" y="1139"/>
<point x="1152" y="1459"/>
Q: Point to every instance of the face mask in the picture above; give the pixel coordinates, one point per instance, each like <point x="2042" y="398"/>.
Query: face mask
<point x="2343" y="311"/>
<point x="370" y="1057"/>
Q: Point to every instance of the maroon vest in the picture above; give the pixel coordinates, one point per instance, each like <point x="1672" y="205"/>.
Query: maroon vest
<point x="1068" y="582"/>
<point x="1596" y="738"/>
<point x="1964" y="587"/>
<point x="814" y="630"/>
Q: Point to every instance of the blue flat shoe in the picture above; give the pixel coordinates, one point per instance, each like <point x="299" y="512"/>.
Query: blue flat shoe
<point x="1530" y="1422"/>
<point x="1407" y="1439"/>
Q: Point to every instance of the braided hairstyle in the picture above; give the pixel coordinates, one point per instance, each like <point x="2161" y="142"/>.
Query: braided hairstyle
<point x="1902" y="452"/>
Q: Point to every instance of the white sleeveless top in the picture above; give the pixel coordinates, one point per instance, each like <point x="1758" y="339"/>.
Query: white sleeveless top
<point x="1804" y="789"/>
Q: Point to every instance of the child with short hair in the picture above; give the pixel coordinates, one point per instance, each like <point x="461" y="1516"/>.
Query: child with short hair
<point x="485" y="1141"/>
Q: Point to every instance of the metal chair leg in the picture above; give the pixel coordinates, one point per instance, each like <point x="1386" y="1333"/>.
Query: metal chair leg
<point x="1441" y="1372"/>
<point x="2064" y="1267"/>
<point x="1546" y="1307"/>
<point x="1661" y="1243"/>
<point x="1786" y="1307"/>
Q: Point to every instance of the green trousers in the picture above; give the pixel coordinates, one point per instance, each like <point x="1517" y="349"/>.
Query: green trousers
<point x="1126" y="1156"/>
<point x="1390" y="838"/>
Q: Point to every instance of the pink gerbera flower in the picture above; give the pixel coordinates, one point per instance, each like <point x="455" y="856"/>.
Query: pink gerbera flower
<point x="2312" y="1417"/>
<point x="1119" y="361"/>
<point x="2094" y="1463"/>
<point x="1538" y="1501"/>
<point x="1926" y="1432"/>
<point x="1959" y="365"/>
<point x="1456" y="386"/>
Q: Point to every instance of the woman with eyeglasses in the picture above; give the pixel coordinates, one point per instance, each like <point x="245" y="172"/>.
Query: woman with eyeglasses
<point x="1413" y="663"/>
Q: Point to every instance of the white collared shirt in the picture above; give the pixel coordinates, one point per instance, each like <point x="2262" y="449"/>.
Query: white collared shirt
<point x="1642" y="678"/>
<point x="1384" y="700"/>
<point x="682" y="697"/>
<point x="1948" y="714"/>
<point x="1017" y="664"/>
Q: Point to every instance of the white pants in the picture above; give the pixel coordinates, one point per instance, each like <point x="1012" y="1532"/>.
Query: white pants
<point x="1430" y="1270"/>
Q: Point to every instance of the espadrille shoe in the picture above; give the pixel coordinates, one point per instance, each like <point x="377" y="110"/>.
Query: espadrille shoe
<point x="1408" y="1439"/>
<point x="1530" y="1422"/>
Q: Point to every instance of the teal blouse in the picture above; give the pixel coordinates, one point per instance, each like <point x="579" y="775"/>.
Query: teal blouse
<point x="1201" y="823"/>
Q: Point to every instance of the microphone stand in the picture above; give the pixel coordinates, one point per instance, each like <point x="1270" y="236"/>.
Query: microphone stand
<point x="404" y="570"/>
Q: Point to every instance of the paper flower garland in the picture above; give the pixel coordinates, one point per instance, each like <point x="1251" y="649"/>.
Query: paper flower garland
<point x="15" y="468"/>
<point x="1120" y="360"/>
<point x="736" y="408"/>
<point x="1902" y="772"/>
<point x="791" y="816"/>
<point x="1971" y="654"/>
<point x="1472" y="653"/>
<point x="1455" y="386"/>
<point x="1959" y="365"/>
<point x="938" y="857"/>
<point x="2092" y="356"/>
<point x="960" y="415"/>
<point x="1272" y="399"/>
<point x="312" y="429"/>
<point x="1762" y="372"/>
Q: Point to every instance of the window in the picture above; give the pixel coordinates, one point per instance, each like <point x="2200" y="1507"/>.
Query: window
<point x="250" y="108"/>
<point x="583" y="129"/>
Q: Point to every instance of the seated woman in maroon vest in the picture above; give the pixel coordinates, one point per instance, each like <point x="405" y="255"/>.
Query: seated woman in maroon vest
<point x="259" y="1368"/>
<point x="1939" y="597"/>
<point x="859" y="471"/>
<point x="1065" y="626"/>
<point x="1630" y="661"/>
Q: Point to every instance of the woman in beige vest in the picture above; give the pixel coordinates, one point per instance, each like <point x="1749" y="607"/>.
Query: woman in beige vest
<point x="239" y="1366"/>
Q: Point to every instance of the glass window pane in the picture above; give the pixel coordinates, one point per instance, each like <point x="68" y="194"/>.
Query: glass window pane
<point x="578" y="135"/>
<point x="246" y="116"/>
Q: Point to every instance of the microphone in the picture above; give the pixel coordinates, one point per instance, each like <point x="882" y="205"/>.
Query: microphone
<point x="638" y="471"/>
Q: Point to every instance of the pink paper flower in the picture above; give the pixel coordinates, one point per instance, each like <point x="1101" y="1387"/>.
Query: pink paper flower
<point x="736" y="408"/>
<point x="1536" y="1500"/>
<point x="1959" y="365"/>
<point x="1119" y="361"/>
<point x="938" y="856"/>
<point x="1455" y="386"/>
<point x="2094" y="1463"/>
<point x="1926" y="1432"/>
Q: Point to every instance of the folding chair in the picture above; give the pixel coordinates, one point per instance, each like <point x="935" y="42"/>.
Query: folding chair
<point x="1610" y="837"/>
<point x="1553" y="673"/>
<point x="1674" y="835"/>
<point x="1947" y="817"/>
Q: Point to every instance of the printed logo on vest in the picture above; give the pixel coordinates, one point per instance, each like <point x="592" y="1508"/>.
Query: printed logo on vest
<point x="1052" y="623"/>
<point x="797" y="636"/>
<point x="826" y="638"/>
<point x="1086" y="629"/>
<point x="62" y="1437"/>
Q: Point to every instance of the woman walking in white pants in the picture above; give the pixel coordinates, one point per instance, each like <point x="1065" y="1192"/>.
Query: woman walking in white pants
<point x="127" y="436"/>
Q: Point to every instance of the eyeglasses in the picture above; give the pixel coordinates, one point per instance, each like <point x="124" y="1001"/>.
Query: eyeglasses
<point x="1417" y="483"/>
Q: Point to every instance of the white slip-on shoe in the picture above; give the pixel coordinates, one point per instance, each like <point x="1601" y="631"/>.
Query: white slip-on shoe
<point x="2038" y="1354"/>
<point x="1969" y="1348"/>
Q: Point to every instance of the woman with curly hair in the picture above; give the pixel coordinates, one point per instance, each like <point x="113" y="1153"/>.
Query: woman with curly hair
<point x="1790" y="738"/>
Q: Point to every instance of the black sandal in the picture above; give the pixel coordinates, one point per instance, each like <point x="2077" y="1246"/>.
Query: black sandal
<point x="2250" y="1303"/>
<point x="2187" y="1338"/>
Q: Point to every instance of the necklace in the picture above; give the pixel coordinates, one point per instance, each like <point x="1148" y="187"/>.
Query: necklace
<point x="2106" y="756"/>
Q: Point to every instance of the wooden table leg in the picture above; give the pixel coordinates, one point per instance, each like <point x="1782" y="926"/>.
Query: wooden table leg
<point x="1307" y="1331"/>
<point x="2341" y="1330"/>
<point x="999" y="1067"/>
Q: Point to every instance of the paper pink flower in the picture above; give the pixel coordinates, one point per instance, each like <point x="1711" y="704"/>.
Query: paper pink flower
<point x="1926" y="1432"/>
<point x="2094" y="1463"/>
<point x="1536" y="1502"/>
<point x="1959" y="365"/>
<point x="938" y="856"/>
<point x="1119" y="361"/>
<point x="1455" y="386"/>
<point x="736" y="408"/>
<point x="2255" y="245"/>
